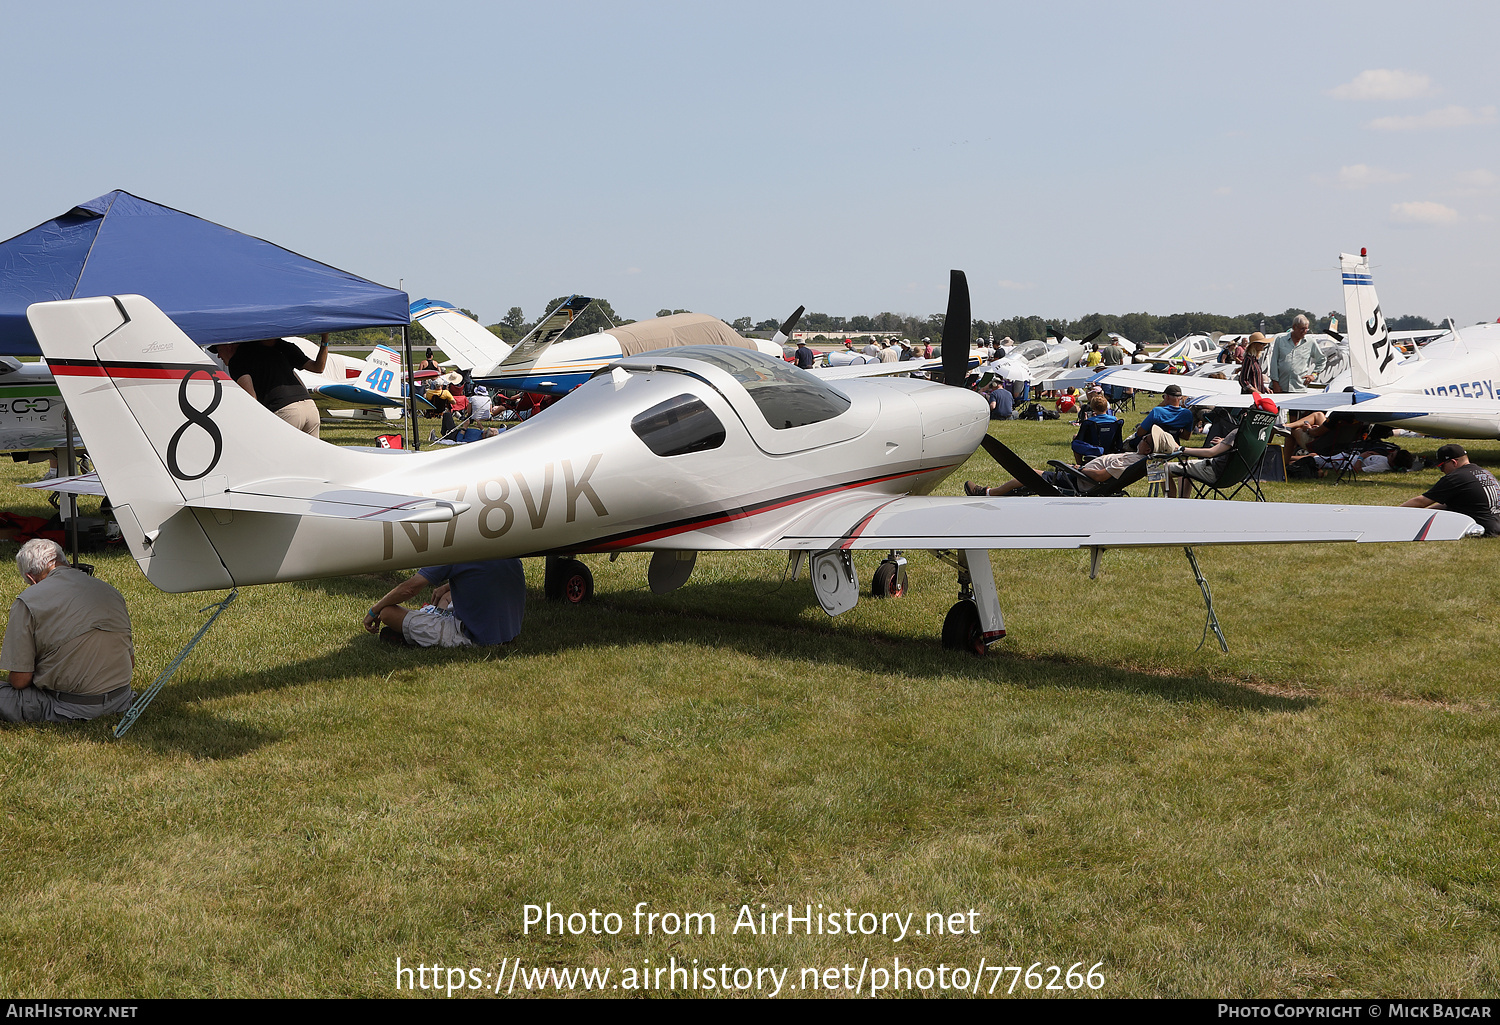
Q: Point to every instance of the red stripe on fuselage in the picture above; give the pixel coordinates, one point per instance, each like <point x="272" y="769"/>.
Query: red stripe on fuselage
<point x="746" y="513"/>
<point x="146" y="371"/>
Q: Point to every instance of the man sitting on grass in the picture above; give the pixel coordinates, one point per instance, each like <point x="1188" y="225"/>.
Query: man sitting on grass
<point x="67" y="645"/>
<point x="473" y="603"/>
<point x="1463" y="488"/>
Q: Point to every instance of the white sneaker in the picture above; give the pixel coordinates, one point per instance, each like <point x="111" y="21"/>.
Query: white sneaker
<point x="51" y="474"/>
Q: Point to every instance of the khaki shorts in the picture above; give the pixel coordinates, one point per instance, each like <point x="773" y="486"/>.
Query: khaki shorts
<point x="429" y="628"/>
<point x="302" y="415"/>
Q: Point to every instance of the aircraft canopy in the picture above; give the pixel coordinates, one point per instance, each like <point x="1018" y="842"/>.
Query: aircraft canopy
<point x="217" y="284"/>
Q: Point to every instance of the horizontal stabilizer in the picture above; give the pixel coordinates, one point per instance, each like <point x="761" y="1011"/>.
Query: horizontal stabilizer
<point x="296" y="497"/>
<point x="82" y="484"/>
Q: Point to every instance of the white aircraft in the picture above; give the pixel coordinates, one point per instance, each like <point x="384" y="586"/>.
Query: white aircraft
<point x="541" y="363"/>
<point x="1449" y="389"/>
<point x="374" y="385"/>
<point x="31" y="408"/>
<point x="699" y="448"/>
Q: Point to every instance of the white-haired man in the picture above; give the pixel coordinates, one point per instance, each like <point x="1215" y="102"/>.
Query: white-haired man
<point x="1296" y="360"/>
<point x="68" y="649"/>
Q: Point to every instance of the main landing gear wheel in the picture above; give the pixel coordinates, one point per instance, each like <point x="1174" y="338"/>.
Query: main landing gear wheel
<point x="568" y="580"/>
<point x="961" y="629"/>
<point x="889" y="581"/>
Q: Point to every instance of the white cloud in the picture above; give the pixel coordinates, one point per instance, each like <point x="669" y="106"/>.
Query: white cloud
<point x="1357" y="176"/>
<point x="1476" y="179"/>
<point x="1015" y="285"/>
<point x="1422" y="214"/>
<point x="1443" y="117"/>
<point x="1385" y="84"/>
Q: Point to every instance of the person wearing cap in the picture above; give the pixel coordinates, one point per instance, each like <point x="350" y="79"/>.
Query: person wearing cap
<point x="805" y="357"/>
<point x="1296" y="360"/>
<point x="1100" y="468"/>
<point x="1463" y="488"/>
<point x="68" y="651"/>
<point x="267" y="369"/>
<point x="1251" y="376"/>
<point x="1112" y="354"/>
<point x="1171" y="416"/>
<point x="906" y="353"/>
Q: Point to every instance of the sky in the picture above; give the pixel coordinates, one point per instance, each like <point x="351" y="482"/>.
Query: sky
<point x="741" y="160"/>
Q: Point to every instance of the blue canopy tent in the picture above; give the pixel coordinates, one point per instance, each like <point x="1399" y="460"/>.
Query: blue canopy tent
<point x="215" y="283"/>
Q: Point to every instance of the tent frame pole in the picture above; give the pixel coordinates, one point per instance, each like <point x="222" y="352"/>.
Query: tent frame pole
<point x="71" y="499"/>
<point x="414" y="439"/>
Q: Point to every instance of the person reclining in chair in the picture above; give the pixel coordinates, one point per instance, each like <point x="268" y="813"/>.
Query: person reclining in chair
<point x="1100" y="469"/>
<point x="1205" y="467"/>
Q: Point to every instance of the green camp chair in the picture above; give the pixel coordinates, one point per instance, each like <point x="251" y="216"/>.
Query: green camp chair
<point x="1242" y="471"/>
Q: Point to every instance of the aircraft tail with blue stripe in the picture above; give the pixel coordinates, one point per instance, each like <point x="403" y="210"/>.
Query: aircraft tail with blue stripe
<point x="1373" y="357"/>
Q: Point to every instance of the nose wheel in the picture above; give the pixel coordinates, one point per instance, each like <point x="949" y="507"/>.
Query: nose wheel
<point x="889" y="580"/>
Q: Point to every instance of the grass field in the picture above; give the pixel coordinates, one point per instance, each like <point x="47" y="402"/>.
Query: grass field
<point x="1312" y="814"/>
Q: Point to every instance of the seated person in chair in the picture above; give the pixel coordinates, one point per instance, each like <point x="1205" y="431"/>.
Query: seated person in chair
<point x="1205" y="467"/>
<point x="1101" y="469"/>
<point x="1171" y="416"/>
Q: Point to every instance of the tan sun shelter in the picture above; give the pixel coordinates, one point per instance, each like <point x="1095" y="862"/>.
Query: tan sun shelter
<point x="678" y="329"/>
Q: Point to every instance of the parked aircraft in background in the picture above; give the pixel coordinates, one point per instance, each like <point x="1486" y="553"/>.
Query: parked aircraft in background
<point x="31" y="408"/>
<point x="1449" y="389"/>
<point x="545" y="362"/>
<point x="697" y="448"/>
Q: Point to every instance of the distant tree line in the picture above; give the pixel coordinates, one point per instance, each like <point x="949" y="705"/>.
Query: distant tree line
<point x="1144" y="328"/>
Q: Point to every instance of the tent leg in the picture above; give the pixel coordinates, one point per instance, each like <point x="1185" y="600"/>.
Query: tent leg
<point x="71" y="500"/>
<point x="413" y="440"/>
<point x="1212" y="623"/>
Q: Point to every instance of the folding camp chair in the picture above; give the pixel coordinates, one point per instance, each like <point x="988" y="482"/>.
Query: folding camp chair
<point x="1087" y="487"/>
<point x="1097" y="436"/>
<point x="1242" y="470"/>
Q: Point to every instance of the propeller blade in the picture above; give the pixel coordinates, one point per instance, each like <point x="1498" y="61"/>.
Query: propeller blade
<point x="956" y="330"/>
<point x="1017" y="467"/>
<point x="1090" y="338"/>
<point x="1053" y="331"/>
<point x="784" y="332"/>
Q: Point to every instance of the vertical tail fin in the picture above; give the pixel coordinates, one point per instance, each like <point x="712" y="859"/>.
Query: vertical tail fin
<point x="1372" y="356"/>
<point x="463" y="338"/>
<point x="165" y="426"/>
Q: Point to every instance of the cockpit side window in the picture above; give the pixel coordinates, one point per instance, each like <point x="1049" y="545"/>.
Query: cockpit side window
<point x="679" y="425"/>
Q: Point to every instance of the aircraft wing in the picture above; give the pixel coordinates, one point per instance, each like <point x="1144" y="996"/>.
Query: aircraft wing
<point x="852" y="370"/>
<point x="1148" y="380"/>
<point x="860" y="519"/>
<point x="301" y="497"/>
<point x="880" y="522"/>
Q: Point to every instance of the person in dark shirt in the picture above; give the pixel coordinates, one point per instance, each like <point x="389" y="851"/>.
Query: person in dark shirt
<point x="267" y="369"/>
<point x="805" y="358"/>
<point x="1463" y="488"/>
